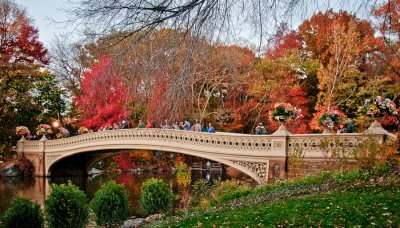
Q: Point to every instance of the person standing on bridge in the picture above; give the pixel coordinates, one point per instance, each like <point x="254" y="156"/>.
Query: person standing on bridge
<point x="204" y="128"/>
<point x="260" y="129"/>
<point x="175" y="126"/>
<point x="196" y="127"/>
<point x="186" y="126"/>
<point x="350" y="126"/>
<point x="210" y="128"/>
<point x="148" y="125"/>
<point x="124" y="125"/>
<point x="166" y="125"/>
<point x="141" y="124"/>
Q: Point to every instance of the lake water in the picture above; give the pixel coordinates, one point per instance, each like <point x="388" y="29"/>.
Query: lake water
<point x="37" y="188"/>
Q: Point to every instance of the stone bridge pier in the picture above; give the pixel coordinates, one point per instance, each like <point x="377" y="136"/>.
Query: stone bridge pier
<point x="262" y="157"/>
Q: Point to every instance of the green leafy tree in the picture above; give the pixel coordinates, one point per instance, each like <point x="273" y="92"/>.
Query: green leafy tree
<point x="49" y="96"/>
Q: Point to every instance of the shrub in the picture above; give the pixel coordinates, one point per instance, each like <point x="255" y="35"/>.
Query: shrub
<point x="227" y="190"/>
<point x="23" y="213"/>
<point x="201" y="189"/>
<point x="26" y="167"/>
<point x="204" y="204"/>
<point x="371" y="154"/>
<point x="66" y="206"/>
<point x="224" y="187"/>
<point x="183" y="175"/>
<point x="110" y="204"/>
<point x="156" y="197"/>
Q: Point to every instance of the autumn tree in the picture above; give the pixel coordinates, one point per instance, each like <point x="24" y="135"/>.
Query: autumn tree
<point x="388" y="60"/>
<point x="317" y="34"/>
<point x="69" y="60"/>
<point x="339" y="77"/>
<point x="168" y="83"/>
<point x="283" y="79"/>
<point x="347" y="50"/>
<point x="387" y="67"/>
<point x="388" y="16"/>
<point x="21" y="57"/>
<point x="217" y="77"/>
<point x="103" y="96"/>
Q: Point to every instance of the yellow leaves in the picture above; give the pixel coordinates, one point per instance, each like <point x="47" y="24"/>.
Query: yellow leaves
<point x="342" y="69"/>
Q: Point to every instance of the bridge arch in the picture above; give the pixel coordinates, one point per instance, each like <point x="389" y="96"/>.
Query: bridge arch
<point x="174" y="149"/>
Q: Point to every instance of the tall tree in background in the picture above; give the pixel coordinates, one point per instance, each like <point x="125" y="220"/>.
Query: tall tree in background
<point x="389" y="26"/>
<point x="69" y="60"/>
<point x="103" y="96"/>
<point x="50" y="97"/>
<point x="218" y="76"/>
<point x="388" y="60"/>
<point x="341" y="73"/>
<point x="346" y="48"/>
<point x="388" y="16"/>
<point x="21" y="57"/>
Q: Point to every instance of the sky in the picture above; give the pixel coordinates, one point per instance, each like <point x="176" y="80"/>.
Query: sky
<point x="39" y="11"/>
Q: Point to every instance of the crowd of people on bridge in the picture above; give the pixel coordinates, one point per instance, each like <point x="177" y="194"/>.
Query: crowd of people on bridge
<point x="199" y="127"/>
<point x="183" y="125"/>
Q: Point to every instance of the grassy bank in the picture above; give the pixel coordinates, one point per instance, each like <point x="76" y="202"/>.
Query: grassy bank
<point x="365" y="198"/>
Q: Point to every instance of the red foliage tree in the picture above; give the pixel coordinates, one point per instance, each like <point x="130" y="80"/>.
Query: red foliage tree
<point x="316" y="33"/>
<point x="388" y="16"/>
<point x="284" y="40"/>
<point x="179" y="159"/>
<point x="103" y="96"/>
<point x="19" y="40"/>
<point x="123" y="161"/>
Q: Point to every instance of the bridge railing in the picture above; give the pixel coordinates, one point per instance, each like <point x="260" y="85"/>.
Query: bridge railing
<point x="276" y="145"/>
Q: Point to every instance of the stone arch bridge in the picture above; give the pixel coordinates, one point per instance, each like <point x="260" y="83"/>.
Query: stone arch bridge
<point x="261" y="157"/>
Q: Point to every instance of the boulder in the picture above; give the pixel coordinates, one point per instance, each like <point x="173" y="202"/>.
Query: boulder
<point x="11" y="170"/>
<point x="94" y="171"/>
<point x="138" y="222"/>
<point x="155" y="217"/>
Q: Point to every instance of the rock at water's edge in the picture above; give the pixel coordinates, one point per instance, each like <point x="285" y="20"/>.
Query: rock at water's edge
<point x="134" y="223"/>
<point x="11" y="170"/>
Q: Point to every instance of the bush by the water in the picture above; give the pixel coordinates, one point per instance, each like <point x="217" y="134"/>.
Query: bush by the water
<point x="23" y="213"/>
<point x="156" y="197"/>
<point x="110" y="204"/>
<point x="66" y="206"/>
<point x="183" y="175"/>
<point x="26" y="167"/>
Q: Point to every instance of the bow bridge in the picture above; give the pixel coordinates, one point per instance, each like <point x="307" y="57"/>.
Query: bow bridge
<point x="261" y="157"/>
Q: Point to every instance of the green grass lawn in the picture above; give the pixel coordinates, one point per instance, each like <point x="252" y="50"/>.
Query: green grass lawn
<point x="371" y="206"/>
<point x="325" y="200"/>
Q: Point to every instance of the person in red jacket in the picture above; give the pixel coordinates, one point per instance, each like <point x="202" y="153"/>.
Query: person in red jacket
<point x="148" y="125"/>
